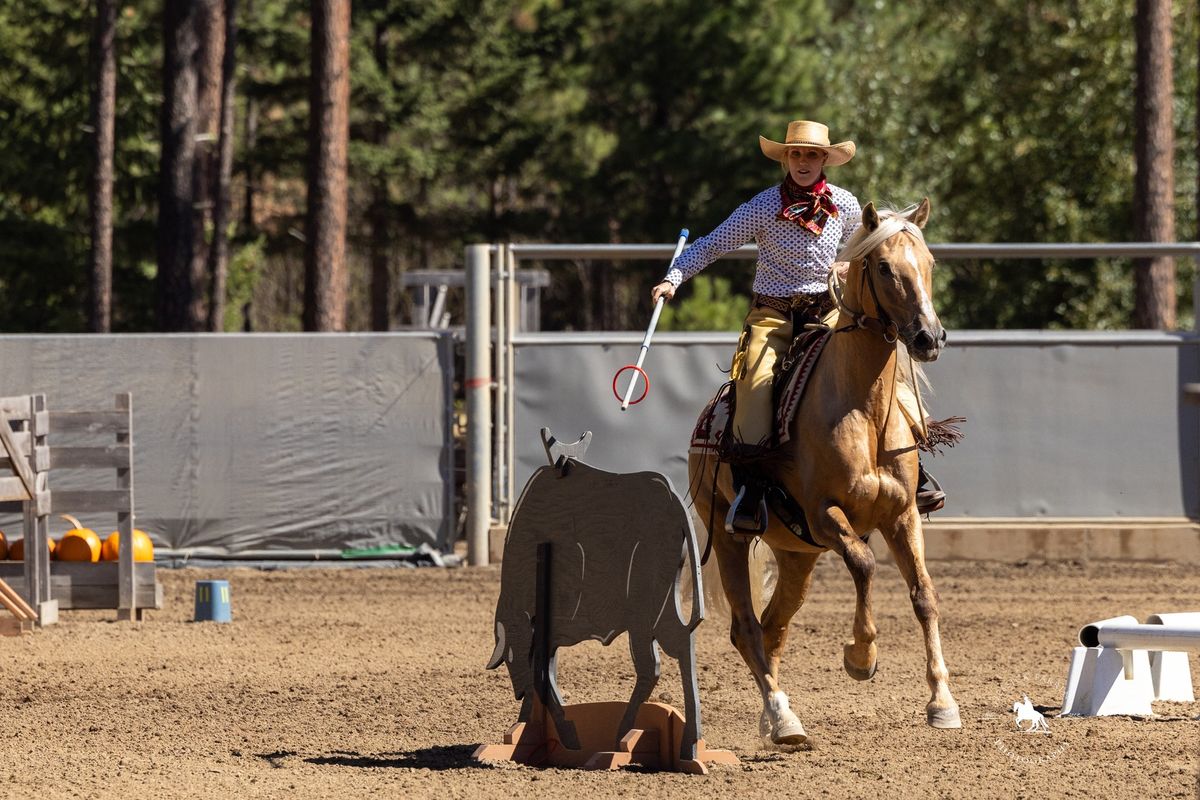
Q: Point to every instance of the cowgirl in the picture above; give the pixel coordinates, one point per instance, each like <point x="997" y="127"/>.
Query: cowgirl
<point x="799" y="226"/>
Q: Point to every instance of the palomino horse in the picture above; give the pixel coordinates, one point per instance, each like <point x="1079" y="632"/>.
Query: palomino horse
<point x="852" y="467"/>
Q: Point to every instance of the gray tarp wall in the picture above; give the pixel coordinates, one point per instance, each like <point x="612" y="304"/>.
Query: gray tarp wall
<point x="1059" y="424"/>
<point x="263" y="441"/>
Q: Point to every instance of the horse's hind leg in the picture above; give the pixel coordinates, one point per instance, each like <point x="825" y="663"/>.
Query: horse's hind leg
<point x="860" y="657"/>
<point x="778" y="723"/>
<point x="795" y="579"/>
<point x="907" y="543"/>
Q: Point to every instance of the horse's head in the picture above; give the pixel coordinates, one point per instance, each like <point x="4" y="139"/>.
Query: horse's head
<point x="891" y="278"/>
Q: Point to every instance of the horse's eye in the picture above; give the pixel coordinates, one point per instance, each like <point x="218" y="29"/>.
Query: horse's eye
<point x="885" y="268"/>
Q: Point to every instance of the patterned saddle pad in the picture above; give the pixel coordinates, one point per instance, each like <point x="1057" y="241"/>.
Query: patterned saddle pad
<point x="716" y="419"/>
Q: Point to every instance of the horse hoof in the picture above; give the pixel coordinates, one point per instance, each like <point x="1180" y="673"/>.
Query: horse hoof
<point x="944" y="718"/>
<point x="789" y="735"/>
<point x="778" y="725"/>
<point x="858" y="673"/>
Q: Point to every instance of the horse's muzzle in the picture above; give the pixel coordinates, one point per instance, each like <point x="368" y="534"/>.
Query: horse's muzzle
<point x="926" y="344"/>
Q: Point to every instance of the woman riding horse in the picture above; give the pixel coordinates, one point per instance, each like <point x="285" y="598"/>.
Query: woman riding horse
<point x="799" y="226"/>
<point x="851" y="470"/>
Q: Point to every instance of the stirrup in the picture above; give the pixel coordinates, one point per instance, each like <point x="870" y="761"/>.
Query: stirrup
<point x="743" y="526"/>
<point x="929" y="499"/>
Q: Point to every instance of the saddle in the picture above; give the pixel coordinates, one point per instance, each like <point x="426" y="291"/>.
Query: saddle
<point x="714" y="427"/>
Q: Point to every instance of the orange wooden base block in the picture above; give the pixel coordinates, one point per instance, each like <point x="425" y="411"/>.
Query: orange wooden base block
<point x="11" y="626"/>
<point x="654" y="741"/>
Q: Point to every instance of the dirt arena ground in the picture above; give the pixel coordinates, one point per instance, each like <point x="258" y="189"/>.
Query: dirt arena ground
<point x="370" y="683"/>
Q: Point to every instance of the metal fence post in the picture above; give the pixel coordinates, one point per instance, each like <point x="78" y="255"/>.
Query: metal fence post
<point x="478" y="389"/>
<point x="500" y="432"/>
<point x="1196" y="294"/>
<point x="509" y="378"/>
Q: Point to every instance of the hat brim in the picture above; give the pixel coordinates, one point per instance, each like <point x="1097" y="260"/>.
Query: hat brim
<point x="838" y="153"/>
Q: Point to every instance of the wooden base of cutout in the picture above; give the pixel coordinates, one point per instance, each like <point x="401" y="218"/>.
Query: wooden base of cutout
<point x="653" y="742"/>
<point x="11" y="626"/>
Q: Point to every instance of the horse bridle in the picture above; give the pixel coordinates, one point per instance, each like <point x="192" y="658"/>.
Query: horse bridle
<point x="883" y="324"/>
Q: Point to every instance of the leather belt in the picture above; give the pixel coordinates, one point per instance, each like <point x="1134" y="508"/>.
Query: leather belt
<point x="786" y="305"/>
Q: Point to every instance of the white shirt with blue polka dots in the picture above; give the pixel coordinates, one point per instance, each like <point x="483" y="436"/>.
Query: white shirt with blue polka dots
<point x="791" y="260"/>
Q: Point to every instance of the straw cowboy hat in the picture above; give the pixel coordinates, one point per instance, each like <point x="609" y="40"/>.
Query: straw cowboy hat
<point x="802" y="133"/>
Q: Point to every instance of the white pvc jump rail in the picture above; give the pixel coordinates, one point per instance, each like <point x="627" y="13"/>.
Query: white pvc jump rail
<point x="1121" y="666"/>
<point x="491" y="288"/>
<point x="1122" y="635"/>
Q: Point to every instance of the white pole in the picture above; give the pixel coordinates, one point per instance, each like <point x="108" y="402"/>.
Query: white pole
<point x="1121" y="635"/>
<point x="510" y="403"/>
<point x="478" y="386"/>
<point x="658" y="307"/>
<point x="499" y="434"/>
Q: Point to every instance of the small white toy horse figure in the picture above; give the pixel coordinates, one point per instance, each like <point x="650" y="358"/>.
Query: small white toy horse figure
<point x="1027" y="713"/>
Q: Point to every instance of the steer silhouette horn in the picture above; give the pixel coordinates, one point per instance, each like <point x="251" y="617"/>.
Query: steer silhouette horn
<point x="556" y="449"/>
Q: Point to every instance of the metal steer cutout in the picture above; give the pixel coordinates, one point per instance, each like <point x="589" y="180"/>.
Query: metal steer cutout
<point x="590" y="555"/>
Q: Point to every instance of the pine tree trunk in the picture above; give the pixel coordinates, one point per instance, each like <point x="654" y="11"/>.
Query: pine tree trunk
<point x="1154" y="151"/>
<point x="249" y="142"/>
<point x="381" y="287"/>
<point x="210" y="29"/>
<point x="218" y="253"/>
<point x="325" y="228"/>
<point x="174" y="287"/>
<point x="104" y="105"/>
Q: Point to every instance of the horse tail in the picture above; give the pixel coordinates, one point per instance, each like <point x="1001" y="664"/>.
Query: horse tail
<point x="704" y="486"/>
<point x="764" y="573"/>
<point x="761" y="564"/>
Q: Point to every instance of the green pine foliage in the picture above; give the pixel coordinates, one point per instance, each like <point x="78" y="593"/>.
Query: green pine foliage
<point x="711" y="305"/>
<point x="607" y="121"/>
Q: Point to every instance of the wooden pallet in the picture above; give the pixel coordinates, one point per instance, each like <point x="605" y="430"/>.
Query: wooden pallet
<point x="75" y="585"/>
<point x="24" y="487"/>
<point x="101" y="440"/>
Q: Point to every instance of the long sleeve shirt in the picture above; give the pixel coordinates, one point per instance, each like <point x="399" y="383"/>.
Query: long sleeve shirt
<point x="791" y="260"/>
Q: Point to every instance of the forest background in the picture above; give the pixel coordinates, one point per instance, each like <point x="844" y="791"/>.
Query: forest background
<point x="476" y="121"/>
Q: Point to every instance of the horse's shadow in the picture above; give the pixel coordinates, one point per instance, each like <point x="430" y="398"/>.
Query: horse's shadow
<point x="456" y="756"/>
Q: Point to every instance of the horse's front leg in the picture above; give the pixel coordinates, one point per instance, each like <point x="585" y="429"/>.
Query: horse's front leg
<point x="859" y="657"/>
<point x="907" y="543"/>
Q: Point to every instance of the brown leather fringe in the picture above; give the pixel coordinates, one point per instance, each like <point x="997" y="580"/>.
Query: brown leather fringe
<point x="942" y="433"/>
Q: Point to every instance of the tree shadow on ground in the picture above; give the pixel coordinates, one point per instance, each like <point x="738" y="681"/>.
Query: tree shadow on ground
<point x="457" y="756"/>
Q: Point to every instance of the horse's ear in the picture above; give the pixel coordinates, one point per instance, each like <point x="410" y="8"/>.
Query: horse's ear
<point x="870" y="219"/>
<point x="921" y="215"/>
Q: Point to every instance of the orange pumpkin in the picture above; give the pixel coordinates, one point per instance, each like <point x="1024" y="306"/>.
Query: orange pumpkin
<point x="16" y="550"/>
<point x="79" y="543"/>
<point x="3" y="547"/>
<point x="143" y="548"/>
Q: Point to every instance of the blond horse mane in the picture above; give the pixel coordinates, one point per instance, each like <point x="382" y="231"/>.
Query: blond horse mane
<point x="862" y="241"/>
<point x="891" y="222"/>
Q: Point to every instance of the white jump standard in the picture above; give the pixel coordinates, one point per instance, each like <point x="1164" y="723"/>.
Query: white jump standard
<point x="1122" y="666"/>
